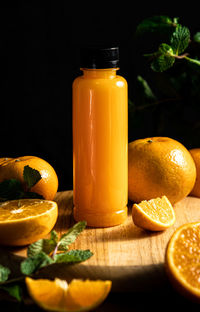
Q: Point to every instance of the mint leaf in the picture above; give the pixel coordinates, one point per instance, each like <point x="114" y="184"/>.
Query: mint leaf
<point x="45" y="245"/>
<point x="31" y="195"/>
<point x="4" y="273"/>
<point x="34" y="263"/>
<point x="13" y="189"/>
<point x="145" y="89"/>
<point x="196" y="37"/>
<point x="10" y="189"/>
<point x="180" y="39"/>
<point x="70" y="237"/>
<point x="13" y="290"/>
<point x="156" y="24"/>
<point x="54" y="236"/>
<point x="164" y="59"/>
<point x="31" y="176"/>
<point x="35" y="248"/>
<point x="73" y="256"/>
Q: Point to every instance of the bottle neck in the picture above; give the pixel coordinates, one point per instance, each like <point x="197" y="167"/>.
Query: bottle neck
<point x="99" y="73"/>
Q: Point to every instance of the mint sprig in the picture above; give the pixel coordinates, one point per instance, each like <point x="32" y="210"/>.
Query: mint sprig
<point x="168" y="52"/>
<point x="42" y="253"/>
<point x="13" y="189"/>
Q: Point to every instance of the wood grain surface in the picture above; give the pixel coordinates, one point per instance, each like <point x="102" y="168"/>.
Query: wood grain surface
<point x="129" y="256"/>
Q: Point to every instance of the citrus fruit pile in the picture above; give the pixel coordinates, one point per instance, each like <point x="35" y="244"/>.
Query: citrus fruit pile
<point x="161" y="173"/>
<point x="26" y="220"/>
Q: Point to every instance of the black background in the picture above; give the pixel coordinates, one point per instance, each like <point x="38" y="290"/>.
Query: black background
<point x="40" y="58"/>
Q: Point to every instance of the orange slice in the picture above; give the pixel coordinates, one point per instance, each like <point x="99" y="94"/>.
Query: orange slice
<point x="58" y="295"/>
<point x="183" y="260"/>
<point x="154" y="215"/>
<point x="24" y="221"/>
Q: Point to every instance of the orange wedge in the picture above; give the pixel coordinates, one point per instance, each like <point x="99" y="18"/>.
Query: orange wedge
<point x="154" y="215"/>
<point x="183" y="260"/>
<point x="24" y="221"/>
<point x="58" y="295"/>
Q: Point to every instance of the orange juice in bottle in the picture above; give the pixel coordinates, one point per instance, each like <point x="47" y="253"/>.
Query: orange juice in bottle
<point x="100" y="140"/>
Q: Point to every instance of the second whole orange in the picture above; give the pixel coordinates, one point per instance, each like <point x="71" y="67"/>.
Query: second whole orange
<point x="195" y="152"/>
<point x="159" y="166"/>
<point x="12" y="168"/>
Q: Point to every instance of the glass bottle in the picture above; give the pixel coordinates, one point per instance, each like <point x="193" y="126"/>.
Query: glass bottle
<point x="100" y="140"/>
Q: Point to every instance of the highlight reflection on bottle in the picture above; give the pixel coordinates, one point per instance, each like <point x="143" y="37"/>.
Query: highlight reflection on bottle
<point x="100" y="140"/>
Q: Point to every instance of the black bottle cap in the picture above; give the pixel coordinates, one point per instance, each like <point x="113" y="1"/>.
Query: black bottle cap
<point x="99" y="57"/>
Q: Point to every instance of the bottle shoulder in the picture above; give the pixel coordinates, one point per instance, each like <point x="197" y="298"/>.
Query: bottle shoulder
<point x="118" y="80"/>
<point x="122" y="79"/>
<point x="77" y="79"/>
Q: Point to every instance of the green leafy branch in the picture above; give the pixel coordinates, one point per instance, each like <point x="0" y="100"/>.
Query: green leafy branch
<point x="42" y="253"/>
<point x="167" y="53"/>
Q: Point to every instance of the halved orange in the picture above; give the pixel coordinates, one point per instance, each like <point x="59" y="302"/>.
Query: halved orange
<point x="155" y="214"/>
<point x="24" y="221"/>
<point x="182" y="260"/>
<point x="58" y="295"/>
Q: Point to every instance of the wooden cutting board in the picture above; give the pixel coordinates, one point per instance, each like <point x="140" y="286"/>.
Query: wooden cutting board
<point x="129" y="256"/>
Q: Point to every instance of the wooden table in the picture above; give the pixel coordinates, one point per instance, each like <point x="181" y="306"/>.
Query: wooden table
<point x="129" y="256"/>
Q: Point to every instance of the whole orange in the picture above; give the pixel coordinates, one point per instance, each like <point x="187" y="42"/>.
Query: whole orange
<point x="159" y="166"/>
<point x="12" y="168"/>
<point x="195" y="152"/>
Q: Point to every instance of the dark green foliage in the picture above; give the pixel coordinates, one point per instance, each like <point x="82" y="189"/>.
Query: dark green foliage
<point x="167" y="61"/>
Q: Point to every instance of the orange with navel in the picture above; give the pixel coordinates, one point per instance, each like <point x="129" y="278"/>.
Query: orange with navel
<point x="159" y="166"/>
<point x="12" y="168"/>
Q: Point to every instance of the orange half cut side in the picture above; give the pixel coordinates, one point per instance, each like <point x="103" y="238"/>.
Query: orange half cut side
<point x="182" y="260"/>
